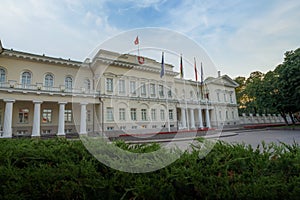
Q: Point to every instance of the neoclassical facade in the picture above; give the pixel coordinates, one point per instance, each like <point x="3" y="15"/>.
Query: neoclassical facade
<point x="111" y="93"/>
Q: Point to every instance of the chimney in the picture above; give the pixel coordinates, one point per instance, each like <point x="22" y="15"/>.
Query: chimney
<point x="219" y="74"/>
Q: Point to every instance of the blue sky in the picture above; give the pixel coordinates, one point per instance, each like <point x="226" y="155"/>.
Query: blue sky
<point x="239" y="36"/>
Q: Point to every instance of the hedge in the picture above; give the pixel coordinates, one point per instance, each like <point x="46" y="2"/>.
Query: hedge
<point x="64" y="169"/>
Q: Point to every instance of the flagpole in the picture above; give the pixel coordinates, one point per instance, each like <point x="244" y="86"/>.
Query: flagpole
<point x="198" y="97"/>
<point x="167" y="103"/>
<point x="186" y="109"/>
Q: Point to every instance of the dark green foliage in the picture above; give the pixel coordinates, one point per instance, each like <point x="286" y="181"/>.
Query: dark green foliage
<point x="62" y="169"/>
<point x="276" y="91"/>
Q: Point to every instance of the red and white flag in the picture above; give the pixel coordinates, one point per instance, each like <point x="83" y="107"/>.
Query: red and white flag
<point x="136" y="41"/>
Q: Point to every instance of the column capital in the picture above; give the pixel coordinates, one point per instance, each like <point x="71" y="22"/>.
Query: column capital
<point x="84" y="103"/>
<point x="62" y="102"/>
<point x="9" y="100"/>
<point x="37" y="101"/>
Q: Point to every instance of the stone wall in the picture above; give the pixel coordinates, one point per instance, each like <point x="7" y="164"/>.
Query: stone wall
<point x="262" y="119"/>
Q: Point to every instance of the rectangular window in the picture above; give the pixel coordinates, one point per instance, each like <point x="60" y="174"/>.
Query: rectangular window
<point x="218" y="96"/>
<point x="161" y="90"/>
<point x="132" y="87"/>
<point x="226" y="114"/>
<point x="133" y="114"/>
<point x="225" y="99"/>
<point x="153" y="114"/>
<point x="171" y="117"/>
<point x="152" y="90"/>
<point x="169" y="93"/>
<point x="23" y="115"/>
<point x="47" y="116"/>
<point x="88" y="115"/>
<point x="68" y="116"/>
<point x="109" y="85"/>
<point x="109" y="114"/>
<point x="122" y="114"/>
<point x="232" y="113"/>
<point x="231" y="99"/>
<point x="220" y="114"/>
<point x="144" y="114"/>
<point x="143" y="89"/>
<point x="121" y="86"/>
<point x="162" y="115"/>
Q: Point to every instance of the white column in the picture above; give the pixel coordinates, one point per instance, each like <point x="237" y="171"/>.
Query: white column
<point x="207" y="119"/>
<point x="61" y="119"/>
<point x="200" y="118"/>
<point x="83" y="118"/>
<point x="192" y="118"/>
<point x="36" y="127"/>
<point x="7" y="129"/>
<point x="183" y="118"/>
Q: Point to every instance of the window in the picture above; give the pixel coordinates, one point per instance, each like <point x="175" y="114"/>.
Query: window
<point x="144" y="114"/>
<point x="26" y="79"/>
<point x="2" y="75"/>
<point x="132" y="87"/>
<point x="109" y="114"/>
<point x="88" y="115"/>
<point x="226" y="114"/>
<point x="49" y="80"/>
<point x="218" y="96"/>
<point x="68" y="116"/>
<point x="171" y="114"/>
<point x="153" y="114"/>
<point x="23" y="115"/>
<point x="170" y="93"/>
<point x="232" y="113"/>
<point x="161" y="90"/>
<point x="87" y="84"/>
<point x="191" y="94"/>
<point x="122" y="114"/>
<point x="143" y="89"/>
<point x="152" y="90"/>
<point x="47" y="116"/>
<point x="121" y="86"/>
<point x="231" y="99"/>
<point x="225" y="99"/>
<point x="109" y="85"/>
<point x="220" y="114"/>
<point x="162" y="115"/>
<point x="68" y="82"/>
<point x="133" y="114"/>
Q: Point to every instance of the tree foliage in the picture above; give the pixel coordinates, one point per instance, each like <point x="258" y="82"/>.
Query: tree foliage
<point x="276" y="91"/>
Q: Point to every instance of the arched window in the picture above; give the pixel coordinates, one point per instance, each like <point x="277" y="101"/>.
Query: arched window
<point x="49" y="80"/>
<point x="26" y="78"/>
<point x="68" y="82"/>
<point x="87" y="84"/>
<point x="2" y="75"/>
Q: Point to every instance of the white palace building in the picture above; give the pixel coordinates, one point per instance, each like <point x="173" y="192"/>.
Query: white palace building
<point x="111" y="93"/>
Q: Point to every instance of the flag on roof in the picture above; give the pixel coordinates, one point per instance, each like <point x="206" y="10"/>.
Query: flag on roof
<point x="162" y="71"/>
<point x="136" y="41"/>
<point x="196" y="72"/>
<point x="181" y="67"/>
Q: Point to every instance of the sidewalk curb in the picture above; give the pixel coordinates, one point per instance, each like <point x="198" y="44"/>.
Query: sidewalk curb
<point x="212" y="136"/>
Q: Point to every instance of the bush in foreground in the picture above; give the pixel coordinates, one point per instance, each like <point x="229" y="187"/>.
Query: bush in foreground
<point x="63" y="169"/>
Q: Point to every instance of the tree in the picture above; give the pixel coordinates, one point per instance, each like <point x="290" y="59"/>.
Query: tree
<point x="289" y="82"/>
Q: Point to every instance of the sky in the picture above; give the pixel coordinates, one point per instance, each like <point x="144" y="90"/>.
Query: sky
<point x="238" y="36"/>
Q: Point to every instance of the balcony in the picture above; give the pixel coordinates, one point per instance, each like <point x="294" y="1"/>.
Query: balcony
<point x="13" y="86"/>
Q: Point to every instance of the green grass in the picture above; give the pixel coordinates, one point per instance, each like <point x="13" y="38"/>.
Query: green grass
<point x="64" y="169"/>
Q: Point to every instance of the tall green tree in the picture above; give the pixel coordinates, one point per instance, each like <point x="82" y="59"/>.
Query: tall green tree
<point x="289" y="82"/>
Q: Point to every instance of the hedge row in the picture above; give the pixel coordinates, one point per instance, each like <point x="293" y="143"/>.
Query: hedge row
<point x="63" y="169"/>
